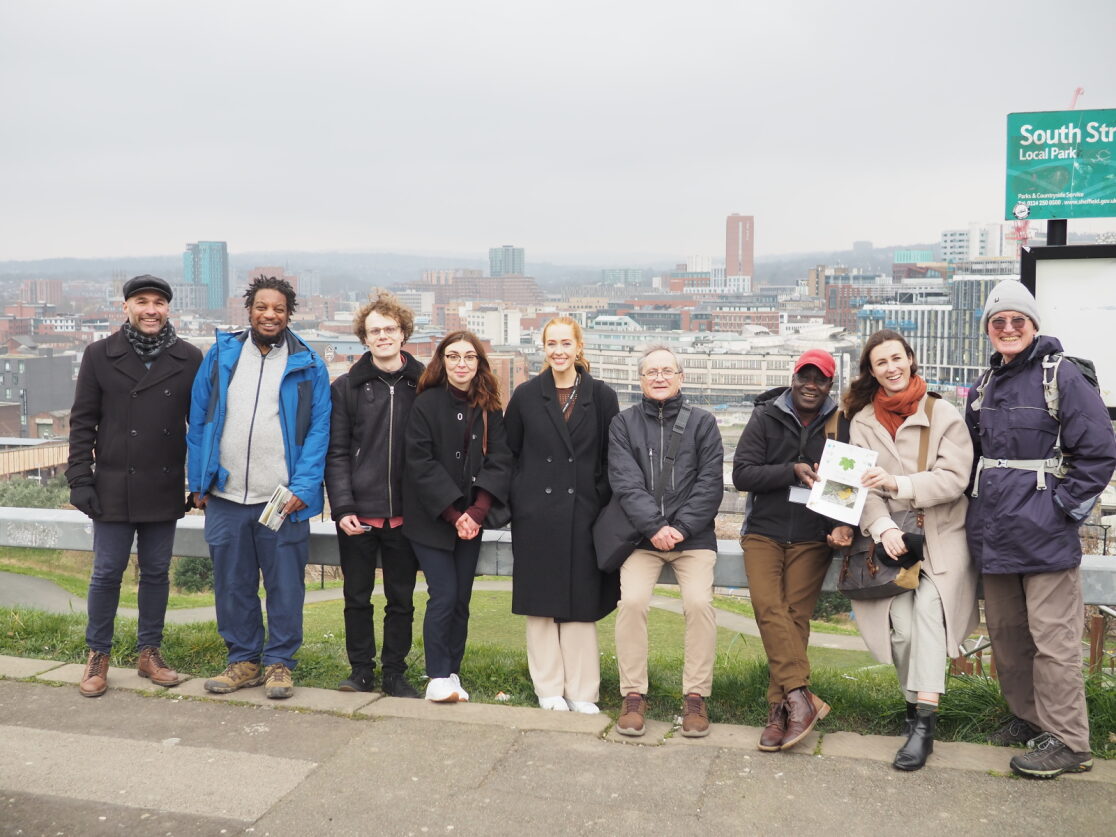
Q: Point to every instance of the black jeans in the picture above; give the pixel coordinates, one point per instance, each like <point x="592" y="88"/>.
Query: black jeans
<point x="358" y="565"/>
<point x="449" y="580"/>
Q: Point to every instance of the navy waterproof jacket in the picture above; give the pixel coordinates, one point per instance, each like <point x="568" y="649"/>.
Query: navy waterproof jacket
<point x="1012" y="526"/>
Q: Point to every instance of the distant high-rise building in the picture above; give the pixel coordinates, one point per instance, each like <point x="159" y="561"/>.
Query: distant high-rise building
<point x="206" y="263"/>
<point x="505" y="261"/>
<point x="740" y="248"/>
<point x="973" y="242"/>
<point x="41" y="291"/>
<point x="622" y="276"/>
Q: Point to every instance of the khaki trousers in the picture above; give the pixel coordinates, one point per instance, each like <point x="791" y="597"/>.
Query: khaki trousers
<point x="918" y="639"/>
<point x="564" y="659"/>
<point x="1035" y="622"/>
<point x="638" y="575"/>
<point x="785" y="581"/>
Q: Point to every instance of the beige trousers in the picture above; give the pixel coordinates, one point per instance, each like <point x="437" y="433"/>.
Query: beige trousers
<point x="638" y="575"/>
<point x="564" y="659"/>
<point x="1035" y="623"/>
<point x="918" y="639"/>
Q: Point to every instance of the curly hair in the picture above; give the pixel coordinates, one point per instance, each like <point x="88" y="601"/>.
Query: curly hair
<point x="484" y="389"/>
<point x="580" y="361"/>
<point x="386" y="305"/>
<point x="273" y="283"/>
<point x="863" y="388"/>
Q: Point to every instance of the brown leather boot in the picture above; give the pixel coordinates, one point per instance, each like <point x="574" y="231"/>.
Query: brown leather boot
<point x="152" y="665"/>
<point x="771" y="739"/>
<point x="94" y="680"/>
<point x="803" y="711"/>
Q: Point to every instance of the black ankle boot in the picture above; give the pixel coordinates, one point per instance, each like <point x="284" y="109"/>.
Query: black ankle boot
<point x="920" y="743"/>
<point x="908" y="724"/>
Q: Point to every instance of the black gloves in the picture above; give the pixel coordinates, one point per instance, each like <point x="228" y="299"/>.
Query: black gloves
<point x="84" y="499"/>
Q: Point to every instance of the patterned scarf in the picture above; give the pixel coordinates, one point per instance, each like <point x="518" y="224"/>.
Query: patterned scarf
<point x="891" y="410"/>
<point x="150" y="346"/>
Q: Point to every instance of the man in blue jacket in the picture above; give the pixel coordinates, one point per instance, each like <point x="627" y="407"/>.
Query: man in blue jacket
<point x="1039" y="469"/>
<point x="259" y="419"/>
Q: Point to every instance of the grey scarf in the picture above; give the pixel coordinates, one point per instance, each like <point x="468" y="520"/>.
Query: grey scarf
<point x="149" y="347"/>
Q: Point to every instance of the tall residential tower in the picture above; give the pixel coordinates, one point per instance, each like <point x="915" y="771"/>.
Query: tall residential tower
<point x="740" y="251"/>
<point x="505" y="261"/>
<point x="206" y="263"/>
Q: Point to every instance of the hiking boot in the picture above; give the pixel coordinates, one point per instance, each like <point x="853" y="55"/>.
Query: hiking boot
<point x="236" y="676"/>
<point x="397" y="685"/>
<point x="152" y="666"/>
<point x="1014" y="733"/>
<point x="630" y="721"/>
<point x="1050" y="758"/>
<point x="279" y="682"/>
<point x="94" y="680"/>
<point x="771" y="739"/>
<point x="695" y="716"/>
<point x="363" y="679"/>
<point x="804" y="710"/>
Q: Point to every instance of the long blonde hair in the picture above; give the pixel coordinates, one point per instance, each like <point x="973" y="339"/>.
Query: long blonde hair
<point x="579" y="338"/>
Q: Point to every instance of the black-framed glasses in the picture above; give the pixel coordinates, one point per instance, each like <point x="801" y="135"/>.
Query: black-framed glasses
<point x="1000" y="323"/>
<point x="453" y="359"/>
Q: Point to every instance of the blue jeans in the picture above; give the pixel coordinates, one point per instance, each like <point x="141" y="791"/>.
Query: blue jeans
<point x="242" y="549"/>
<point x="112" y="547"/>
<point x="449" y="581"/>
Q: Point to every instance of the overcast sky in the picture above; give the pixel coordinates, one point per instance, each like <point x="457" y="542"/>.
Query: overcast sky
<point x="580" y="130"/>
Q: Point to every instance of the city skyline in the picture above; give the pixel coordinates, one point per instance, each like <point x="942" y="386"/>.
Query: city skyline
<point x="448" y="128"/>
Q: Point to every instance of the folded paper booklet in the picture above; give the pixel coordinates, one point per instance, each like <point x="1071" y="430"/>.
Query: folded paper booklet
<point x="272" y="515"/>
<point x="837" y="493"/>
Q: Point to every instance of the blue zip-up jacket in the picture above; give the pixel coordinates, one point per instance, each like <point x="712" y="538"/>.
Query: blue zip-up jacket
<point x="304" y="408"/>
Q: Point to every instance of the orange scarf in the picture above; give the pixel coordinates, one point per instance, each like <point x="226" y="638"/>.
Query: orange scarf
<point x="891" y="410"/>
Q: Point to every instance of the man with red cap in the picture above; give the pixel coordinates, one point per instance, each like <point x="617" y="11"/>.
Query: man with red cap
<point x="787" y="547"/>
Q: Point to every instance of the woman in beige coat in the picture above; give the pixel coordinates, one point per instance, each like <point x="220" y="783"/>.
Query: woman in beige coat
<point x="915" y="630"/>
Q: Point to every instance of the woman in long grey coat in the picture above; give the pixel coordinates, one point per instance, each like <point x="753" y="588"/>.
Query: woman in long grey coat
<point x="918" y="629"/>
<point x="557" y="426"/>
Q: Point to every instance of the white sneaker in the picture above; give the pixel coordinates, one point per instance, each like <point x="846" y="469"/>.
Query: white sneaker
<point x="463" y="695"/>
<point x="585" y="707"/>
<point x="558" y="704"/>
<point x="443" y="690"/>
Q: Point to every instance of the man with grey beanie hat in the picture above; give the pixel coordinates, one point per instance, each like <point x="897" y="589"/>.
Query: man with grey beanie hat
<point x="1038" y="472"/>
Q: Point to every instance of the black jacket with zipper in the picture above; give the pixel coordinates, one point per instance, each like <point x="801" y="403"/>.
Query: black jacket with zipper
<point x="638" y="439"/>
<point x="364" y="464"/>
<point x="772" y="442"/>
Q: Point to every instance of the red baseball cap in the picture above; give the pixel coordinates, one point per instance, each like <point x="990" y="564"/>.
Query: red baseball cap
<point x="819" y="358"/>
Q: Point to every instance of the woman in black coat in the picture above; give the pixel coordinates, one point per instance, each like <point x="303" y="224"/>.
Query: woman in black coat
<point x="457" y="470"/>
<point x="557" y="427"/>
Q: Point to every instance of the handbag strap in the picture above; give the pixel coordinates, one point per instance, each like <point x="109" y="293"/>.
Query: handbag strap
<point x="924" y="433"/>
<point x="676" y="434"/>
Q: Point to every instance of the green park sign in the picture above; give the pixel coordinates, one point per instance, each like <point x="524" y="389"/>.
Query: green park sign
<point x="1061" y="164"/>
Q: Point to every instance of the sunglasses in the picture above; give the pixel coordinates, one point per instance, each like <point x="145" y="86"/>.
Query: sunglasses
<point x="1017" y="323"/>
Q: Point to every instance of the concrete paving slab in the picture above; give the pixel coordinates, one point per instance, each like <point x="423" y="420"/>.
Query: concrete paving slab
<point x="513" y="717"/>
<point x="206" y="782"/>
<point x="24" y="813"/>
<point x="20" y="667"/>
<point x="765" y="793"/>
<point x="721" y="735"/>
<point x="304" y="698"/>
<point x="657" y="732"/>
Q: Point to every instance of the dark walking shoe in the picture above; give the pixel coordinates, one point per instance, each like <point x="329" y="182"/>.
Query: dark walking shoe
<point x="1050" y="758"/>
<point x="279" y="684"/>
<point x="152" y="665"/>
<point x="1014" y="733"/>
<point x="94" y="680"/>
<point x="630" y="721"/>
<point x="363" y="679"/>
<point x="804" y="710"/>
<point x="920" y="742"/>
<point x="397" y="685"/>
<point x="771" y="739"/>
<point x="695" y="716"/>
